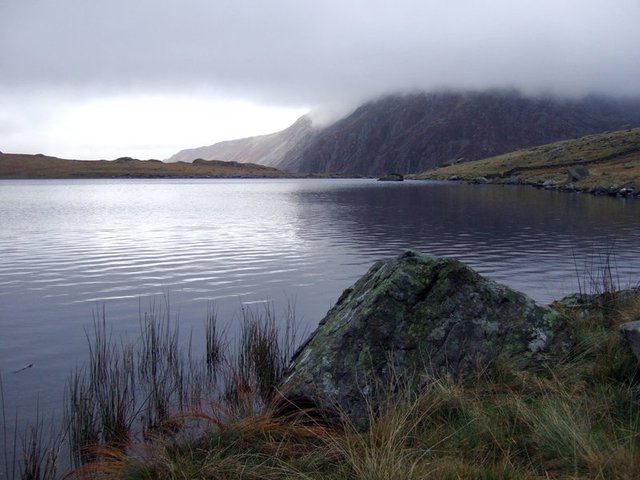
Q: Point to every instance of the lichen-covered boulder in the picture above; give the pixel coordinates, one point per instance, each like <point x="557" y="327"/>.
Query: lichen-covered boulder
<point x="415" y="318"/>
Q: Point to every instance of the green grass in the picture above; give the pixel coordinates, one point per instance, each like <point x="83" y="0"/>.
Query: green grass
<point x="612" y="160"/>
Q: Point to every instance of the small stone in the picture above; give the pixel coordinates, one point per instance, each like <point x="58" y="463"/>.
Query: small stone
<point x="631" y="331"/>
<point x="514" y="180"/>
<point x="577" y="173"/>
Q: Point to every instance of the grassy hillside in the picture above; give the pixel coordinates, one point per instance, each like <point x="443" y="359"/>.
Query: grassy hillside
<point x="40" y="166"/>
<point x="601" y="163"/>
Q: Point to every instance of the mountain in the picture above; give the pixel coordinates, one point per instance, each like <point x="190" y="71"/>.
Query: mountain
<point x="267" y="150"/>
<point x="413" y="133"/>
<point x="416" y="132"/>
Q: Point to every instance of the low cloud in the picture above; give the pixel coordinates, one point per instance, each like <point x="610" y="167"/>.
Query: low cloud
<point x="327" y="54"/>
<point x="302" y="52"/>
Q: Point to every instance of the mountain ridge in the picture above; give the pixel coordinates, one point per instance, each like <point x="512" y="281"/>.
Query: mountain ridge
<point x="415" y="132"/>
<point x="268" y="150"/>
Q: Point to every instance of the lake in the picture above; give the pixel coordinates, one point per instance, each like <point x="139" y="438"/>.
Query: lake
<point x="70" y="247"/>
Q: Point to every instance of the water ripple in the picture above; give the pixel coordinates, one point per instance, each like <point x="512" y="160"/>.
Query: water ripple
<point x="69" y="246"/>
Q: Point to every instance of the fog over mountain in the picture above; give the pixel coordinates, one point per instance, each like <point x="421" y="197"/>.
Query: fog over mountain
<point x="414" y="132"/>
<point x="267" y="150"/>
<point x="121" y="74"/>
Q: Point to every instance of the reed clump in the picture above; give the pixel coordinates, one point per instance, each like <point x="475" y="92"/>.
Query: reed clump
<point x="131" y="392"/>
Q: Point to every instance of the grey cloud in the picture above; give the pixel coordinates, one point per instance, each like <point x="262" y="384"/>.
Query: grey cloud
<point x="297" y="52"/>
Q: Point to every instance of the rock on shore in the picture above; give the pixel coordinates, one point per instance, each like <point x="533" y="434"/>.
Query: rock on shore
<point x="411" y="320"/>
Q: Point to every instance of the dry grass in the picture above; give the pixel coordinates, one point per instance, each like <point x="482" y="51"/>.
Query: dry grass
<point x="41" y="166"/>
<point x="612" y="159"/>
<point x="390" y="448"/>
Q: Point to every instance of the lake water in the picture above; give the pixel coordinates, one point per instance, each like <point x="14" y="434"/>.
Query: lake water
<point x="70" y="247"/>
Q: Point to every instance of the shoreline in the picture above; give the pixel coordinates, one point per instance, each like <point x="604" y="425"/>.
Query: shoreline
<point x="604" y="164"/>
<point x="600" y="191"/>
<point x="41" y="167"/>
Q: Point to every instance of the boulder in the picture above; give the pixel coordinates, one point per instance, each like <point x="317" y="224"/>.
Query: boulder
<point x="625" y="192"/>
<point x="481" y="180"/>
<point x="577" y="173"/>
<point x="513" y="180"/>
<point x="391" y="177"/>
<point x="411" y="320"/>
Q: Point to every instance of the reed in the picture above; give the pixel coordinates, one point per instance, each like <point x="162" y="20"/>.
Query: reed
<point x="39" y="446"/>
<point x="131" y="391"/>
<point x="599" y="277"/>
<point x="9" y="458"/>
<point x="126" y="389"/>
<point x="41" y="449"/>
<point x="215" y="341"/>
<point x="599" y="274"/>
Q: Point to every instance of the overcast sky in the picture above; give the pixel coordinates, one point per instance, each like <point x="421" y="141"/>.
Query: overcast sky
<point x="145" y="78"/>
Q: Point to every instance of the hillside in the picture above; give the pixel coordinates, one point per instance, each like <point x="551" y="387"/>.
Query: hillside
<point x="417" y="132"/>
<point x="267" y="150"/>
<point x="601" y="163"/>
<point x="41" y="166"/>
<point x="413" y="133"/>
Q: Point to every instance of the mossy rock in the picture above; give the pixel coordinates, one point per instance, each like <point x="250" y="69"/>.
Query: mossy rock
<point x="411" y="320"/>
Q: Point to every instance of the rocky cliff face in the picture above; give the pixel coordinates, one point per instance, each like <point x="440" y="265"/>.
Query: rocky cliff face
<point x="413" y="133"/>
<point x="411" y="320"/>
<point x="268" y="150"/>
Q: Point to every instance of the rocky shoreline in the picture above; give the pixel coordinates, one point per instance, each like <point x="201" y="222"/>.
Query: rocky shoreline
<point x="605" y="164"/>
<point x="570" y="187"/>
